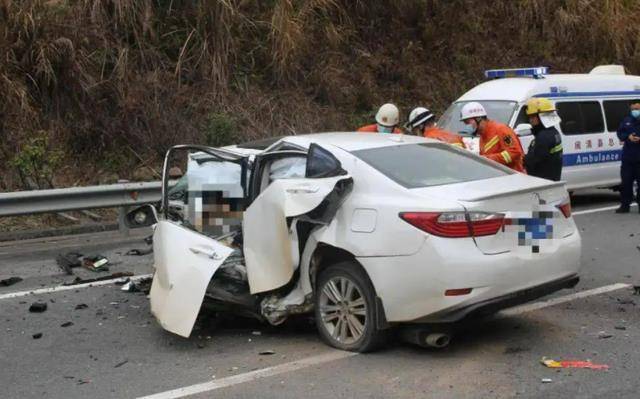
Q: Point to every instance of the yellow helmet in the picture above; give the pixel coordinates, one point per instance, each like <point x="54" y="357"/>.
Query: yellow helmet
<point x="539" y="104"/>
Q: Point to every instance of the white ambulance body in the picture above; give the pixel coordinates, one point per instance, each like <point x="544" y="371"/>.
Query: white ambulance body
<point x="591" y="107"/>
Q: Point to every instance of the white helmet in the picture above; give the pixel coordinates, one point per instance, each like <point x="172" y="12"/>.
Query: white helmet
<point x="419" y="116"/>
<point x="388" y="115"/>
<point x="472" y="110"/>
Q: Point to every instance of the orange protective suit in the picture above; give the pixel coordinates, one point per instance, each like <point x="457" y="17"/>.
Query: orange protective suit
<point x="373" y="128"/>
<point x="500" y="143"/>
<point x="445" y="136"/>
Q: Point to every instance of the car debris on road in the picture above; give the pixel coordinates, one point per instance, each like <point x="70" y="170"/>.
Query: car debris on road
<point x="550" y="363"/>
<point x="112" y="276"/>
<point x="10" y="281"/>
<point x="38" y="307"/>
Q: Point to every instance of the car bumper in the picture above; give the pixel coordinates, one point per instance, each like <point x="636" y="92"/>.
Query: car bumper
<point x="412" y="288"/>
<point x="493" y="305"/>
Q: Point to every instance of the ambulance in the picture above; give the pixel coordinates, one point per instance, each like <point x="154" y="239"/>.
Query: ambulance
<point x="590" y="105"/>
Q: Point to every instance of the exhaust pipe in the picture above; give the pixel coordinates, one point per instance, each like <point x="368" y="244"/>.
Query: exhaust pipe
<point x="425" y="337"/>
<point x="437" y="340"/>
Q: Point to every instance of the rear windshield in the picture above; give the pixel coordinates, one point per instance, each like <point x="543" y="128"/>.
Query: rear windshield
<point x="425" y="165"/>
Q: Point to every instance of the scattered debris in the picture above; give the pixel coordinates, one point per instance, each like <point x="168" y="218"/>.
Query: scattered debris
<point x="256" y="333"/>
<point x="267" y="352"/>
<point x="68" y="261"/>
<point x="96" y="263"/>
<point x="112" y="276"/>
<point x="81" y="306"/>
<point x="130" y="287"/>
<point x="38" y="307"/>
<point x="67" y="324"/>
<point x="121" y="364"/>
<point x="604" y="335"/>
<point x="626" y="301"/>
<point x="636" y="290"/>
<point x="620" y="328"/>
<point x="123" y="281"/>
<point x="139" y="252"/>
<point x="82" y="382"/>
<point x="10" y="281"/>
<point x="37" y="335"/>
<point x="572" y="364"/>
<point x="200" y="345"/>
<point x="546" y="380"/>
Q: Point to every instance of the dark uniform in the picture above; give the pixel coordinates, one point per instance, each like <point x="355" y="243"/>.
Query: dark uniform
<point x="630" y="168"/>
<point x="544" y="158"/>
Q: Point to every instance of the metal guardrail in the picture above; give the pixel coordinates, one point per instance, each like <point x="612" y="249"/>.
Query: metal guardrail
<point x="121" y="195"/>
<point x="79" y="198"/>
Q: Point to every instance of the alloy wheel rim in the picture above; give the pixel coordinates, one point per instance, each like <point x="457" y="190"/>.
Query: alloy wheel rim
<point x="343" y="310"/>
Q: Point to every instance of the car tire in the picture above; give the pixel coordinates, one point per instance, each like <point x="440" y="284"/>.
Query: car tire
<point x="345" y="309"/>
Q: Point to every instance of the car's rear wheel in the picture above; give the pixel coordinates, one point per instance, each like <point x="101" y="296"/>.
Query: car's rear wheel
<point x="345" y="308"/>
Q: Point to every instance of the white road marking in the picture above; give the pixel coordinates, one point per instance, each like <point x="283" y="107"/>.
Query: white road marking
<point x="606" y="208"/>
<point x="556" y="301"/>
<point x="59" y="288"/>
<point x="337" y="355"/>
<point x="251" y="376"/>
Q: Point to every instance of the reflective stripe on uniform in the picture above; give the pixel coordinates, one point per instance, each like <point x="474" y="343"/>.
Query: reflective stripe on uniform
<point x="507" y="157"/>
<point x="491" y="143"/>
<point x="460" y="145"/>
<point x="555" y="149"/>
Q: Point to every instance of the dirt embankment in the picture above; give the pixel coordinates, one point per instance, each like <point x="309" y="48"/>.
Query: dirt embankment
<point x="93" y="90"/>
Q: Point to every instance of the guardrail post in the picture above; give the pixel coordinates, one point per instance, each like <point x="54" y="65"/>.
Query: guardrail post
<point x="122" y="214"/>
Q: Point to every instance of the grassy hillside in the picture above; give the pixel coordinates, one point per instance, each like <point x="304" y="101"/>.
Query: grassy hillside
<point x="94" y="89"/>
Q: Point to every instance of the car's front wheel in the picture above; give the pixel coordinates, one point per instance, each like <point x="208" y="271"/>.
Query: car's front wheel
<point x="345" y="308"/>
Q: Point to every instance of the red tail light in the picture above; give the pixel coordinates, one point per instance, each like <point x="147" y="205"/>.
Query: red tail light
<point x="455" y="224"/>
<point x="565" y="208"/>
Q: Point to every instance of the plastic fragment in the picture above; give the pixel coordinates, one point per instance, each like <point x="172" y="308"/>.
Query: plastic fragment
<point x="573" y="364"/>
<point x="10" y="281"/>
<point x="38" y="307"/>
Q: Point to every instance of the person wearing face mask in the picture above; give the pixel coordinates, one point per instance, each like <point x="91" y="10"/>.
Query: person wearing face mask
<point x="629" y="134"/>
<point x="498" y="141"/>
<point x="387" y="120"/>
<point x="422" y="122"/>
<point x="544" y="158"/>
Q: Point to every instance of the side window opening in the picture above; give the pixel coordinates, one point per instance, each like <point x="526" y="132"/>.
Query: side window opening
<point x="615" y="111"/>
<point x="584" y="117"/>
<point x="522" y="116"/>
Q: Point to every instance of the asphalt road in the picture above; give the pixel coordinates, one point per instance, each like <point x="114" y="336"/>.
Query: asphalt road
<point x="114" y="349"/>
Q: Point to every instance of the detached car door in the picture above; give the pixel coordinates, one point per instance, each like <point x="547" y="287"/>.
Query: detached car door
<point x="205" y="205"/>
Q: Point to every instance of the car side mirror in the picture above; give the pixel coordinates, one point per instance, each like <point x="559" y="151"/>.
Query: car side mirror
<point x="142" y="216"/>
<point x="523" y="129"/>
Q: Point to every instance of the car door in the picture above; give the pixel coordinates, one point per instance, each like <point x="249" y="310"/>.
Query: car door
<point x="187" y="256"/>
<point x="271" y="246"/>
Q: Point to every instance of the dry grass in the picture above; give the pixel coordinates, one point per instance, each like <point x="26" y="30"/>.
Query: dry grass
<point x="113" y="83"/>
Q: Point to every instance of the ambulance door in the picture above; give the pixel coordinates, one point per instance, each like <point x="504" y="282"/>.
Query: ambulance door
<point x="588" y="156"/>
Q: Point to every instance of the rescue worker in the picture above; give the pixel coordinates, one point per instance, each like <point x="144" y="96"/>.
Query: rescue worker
<point x="544" y="157"/>
<point x="498" y="141"/>
<point x="629" y="134"/>
<point x="422" y="122"/>
<point x="387" y="120"/>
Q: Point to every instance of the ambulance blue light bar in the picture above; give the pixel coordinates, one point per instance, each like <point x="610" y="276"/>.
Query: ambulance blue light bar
<point x="535" y="72"/>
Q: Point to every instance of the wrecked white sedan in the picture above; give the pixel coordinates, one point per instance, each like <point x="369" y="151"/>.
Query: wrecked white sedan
<point x="368" y="231"/>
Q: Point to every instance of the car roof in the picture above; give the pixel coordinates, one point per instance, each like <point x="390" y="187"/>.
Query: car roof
<point x="521" y="89"/>
<point x="354" y="141"/>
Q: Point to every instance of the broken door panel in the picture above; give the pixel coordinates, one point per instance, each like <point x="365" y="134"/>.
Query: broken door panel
<point x="271" y="255"/>
<point x="185" y="262"/>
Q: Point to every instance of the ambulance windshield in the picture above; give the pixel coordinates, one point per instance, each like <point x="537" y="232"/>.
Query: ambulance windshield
<point x="500" y="111"/>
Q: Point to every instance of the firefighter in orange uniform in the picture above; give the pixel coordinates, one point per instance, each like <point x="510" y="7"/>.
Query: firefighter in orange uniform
<point x="422" y="122"/>
<point x="387" y="120"/>
<point x="498" y="141"/>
